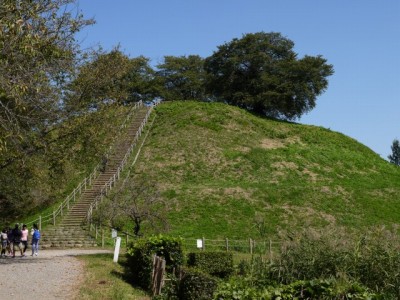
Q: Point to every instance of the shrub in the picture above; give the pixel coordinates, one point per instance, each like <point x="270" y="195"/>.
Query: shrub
<point x="371" y="259"/>
<point x="140" y="257"/>
<point x="218" y="264"/>
<point x="196" y="285"/>
<point x="241" y="288"/>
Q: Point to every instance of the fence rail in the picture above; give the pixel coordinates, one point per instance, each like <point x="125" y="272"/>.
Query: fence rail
<point x="84" y="184"/>
<point x="111" y="182"/>
<point x="270" y="248"/>
<point x="264" y="246"/>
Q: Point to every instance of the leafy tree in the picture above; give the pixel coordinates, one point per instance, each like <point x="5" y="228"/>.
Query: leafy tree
<point x="142" y="81"/>
<point x="394" y="158"/>
<point x="139" y="202"/>
<point x="100" y="80"/>
<point x="38" y="53"/>
<point x="262" y="73"/>
<point x="182" y="77"/>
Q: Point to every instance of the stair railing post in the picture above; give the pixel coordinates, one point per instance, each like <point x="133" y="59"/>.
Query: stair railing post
<point x="54" y="218"/>
<point x="40" y="222"/>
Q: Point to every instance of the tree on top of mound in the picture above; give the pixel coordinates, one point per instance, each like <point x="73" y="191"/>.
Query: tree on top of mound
<point x="261" y="72"/>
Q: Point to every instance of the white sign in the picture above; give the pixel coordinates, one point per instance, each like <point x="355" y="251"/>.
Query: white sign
<point x="117" y="246"/>
<point x="200" y="243"/>
<point x="114" y="233"/>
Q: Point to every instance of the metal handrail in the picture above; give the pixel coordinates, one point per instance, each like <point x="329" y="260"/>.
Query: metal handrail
<point x="87" y="181"/>
<point x="111" y="182"/>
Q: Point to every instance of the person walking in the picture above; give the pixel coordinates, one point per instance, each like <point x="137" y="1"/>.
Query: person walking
<point x="17" y="234"/>
<point x="24" y="238"/>
<point x="35" y="240"/>
<point x="4" y="242"/>
<point x="10" y="241"/>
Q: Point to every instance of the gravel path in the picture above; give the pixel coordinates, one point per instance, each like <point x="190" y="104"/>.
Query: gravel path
<point x="53" y="274"/>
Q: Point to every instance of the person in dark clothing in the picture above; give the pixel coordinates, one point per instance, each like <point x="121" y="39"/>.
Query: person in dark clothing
<point x="17" y="234"/>
<point x="10" y="241"/>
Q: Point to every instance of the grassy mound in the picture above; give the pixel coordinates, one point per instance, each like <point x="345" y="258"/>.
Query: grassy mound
<point x="224" y="170"/>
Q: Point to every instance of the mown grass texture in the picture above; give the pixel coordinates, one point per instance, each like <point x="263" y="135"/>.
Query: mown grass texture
<point x="220" y="168"/>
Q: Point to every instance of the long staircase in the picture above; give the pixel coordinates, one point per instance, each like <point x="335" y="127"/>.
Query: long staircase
<point x="71" y="232"/>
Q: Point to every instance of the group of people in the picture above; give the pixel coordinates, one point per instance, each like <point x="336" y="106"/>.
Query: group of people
<point x="16" y="239"/>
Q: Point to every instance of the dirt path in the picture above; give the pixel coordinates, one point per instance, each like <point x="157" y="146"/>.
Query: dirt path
<point x="53" y="274"/>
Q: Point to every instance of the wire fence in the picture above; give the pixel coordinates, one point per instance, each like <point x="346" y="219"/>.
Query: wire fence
<point x="251" y="246"/>
<point x="105" y="237"/>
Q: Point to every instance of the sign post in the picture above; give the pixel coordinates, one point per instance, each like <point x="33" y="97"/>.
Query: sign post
<point x="116" y="251"/>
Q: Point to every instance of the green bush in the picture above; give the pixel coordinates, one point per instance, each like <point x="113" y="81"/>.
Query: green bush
<point x="140" y="257"/>
<point x="218" y="264"/>
<point x="372" y="259"/>
<point x="196" y="285"/>
<point x="241" y="288"/>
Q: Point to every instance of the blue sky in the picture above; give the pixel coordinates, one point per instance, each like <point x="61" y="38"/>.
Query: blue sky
<point x="361" y="38"/>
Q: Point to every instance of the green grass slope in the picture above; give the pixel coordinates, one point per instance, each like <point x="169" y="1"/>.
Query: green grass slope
<point x="221" y="168"/>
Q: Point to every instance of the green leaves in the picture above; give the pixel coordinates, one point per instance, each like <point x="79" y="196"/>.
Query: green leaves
<point x="394" y="158"/>
<point x="261" y="72"/>
<point x="182" y="77"/>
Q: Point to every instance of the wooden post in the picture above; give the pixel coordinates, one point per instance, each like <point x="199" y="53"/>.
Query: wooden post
<point x="270" y="251"/>
<point x="227" y="244"/>
<point x="61" y="210"/>
<point x="251" y="246"/>
<point x="40" y="222"/>
<point x="102" y="238"/>
<point x="204" y="244"/>
<point x="95" y="226"/>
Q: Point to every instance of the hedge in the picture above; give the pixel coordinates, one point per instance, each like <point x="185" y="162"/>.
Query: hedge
<point x="197" y="285"/>
<point x="219" y="264"/>
<point x="140" y="257"/>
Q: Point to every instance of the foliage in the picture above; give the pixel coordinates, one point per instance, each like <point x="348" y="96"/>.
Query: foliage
<point x="371" y="259"/>
<point x="142" y="80"/>
<point x="218" y="264"/>
<point x="261" y="72"/>
<point x="196" y="285"/>
<point x="394" y="158"/>
<point x="38" y="54"/>
<point x="137" y="201"/>
<point x="101" y="79"/>
<point x="182" y="77"/>
<point x="140" y="256"/>
<point x="238" y="288"/>
<point x="46" y="177"/>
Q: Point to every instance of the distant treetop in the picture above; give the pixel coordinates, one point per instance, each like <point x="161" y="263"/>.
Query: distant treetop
<point x="261" y="72"/>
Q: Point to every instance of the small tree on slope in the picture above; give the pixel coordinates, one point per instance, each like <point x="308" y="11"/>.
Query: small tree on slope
<point x="394" y="158"/>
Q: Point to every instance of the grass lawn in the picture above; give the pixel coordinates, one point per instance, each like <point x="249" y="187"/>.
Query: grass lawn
<point x="104" y="279"/>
